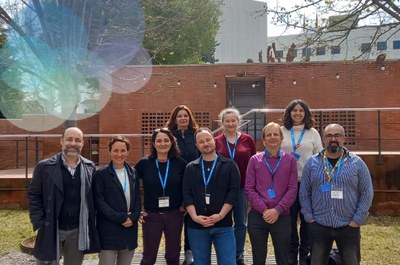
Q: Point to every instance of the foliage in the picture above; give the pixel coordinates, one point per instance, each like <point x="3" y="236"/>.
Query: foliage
<point x="66" y="52"/>
<point x="330" y="21"/>
<point x="60" y="47"/>
<point x="181" y="31"/>
<point x="8" y="97"/>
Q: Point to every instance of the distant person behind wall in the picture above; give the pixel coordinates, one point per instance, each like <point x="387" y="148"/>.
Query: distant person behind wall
<point x="302" y="141"/>
<point x="183" y="125"/>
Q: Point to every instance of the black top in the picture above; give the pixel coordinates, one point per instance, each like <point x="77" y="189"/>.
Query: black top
<point x="147" y="170"/>
<point x="223" y="188"/>
<point x="186" y="144"/>
<point x="69" y="214"/>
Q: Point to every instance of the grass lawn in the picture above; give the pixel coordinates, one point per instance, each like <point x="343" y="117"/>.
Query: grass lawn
<point x="379" y="237"/>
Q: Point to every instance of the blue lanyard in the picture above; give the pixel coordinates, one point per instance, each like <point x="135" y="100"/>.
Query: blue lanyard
<point x="269" y="166"/>
<point x="231" y="153"/>
<point x="206" y="181"/>
<point x="163" y="182"/>
<point x="294" y="144"/>
<point x="124" y="177"/>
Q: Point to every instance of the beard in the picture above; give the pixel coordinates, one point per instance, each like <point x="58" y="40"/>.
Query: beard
<point x="334" y="147"/>
<point x="209" y="150"/>
<point x="71" y="153"/>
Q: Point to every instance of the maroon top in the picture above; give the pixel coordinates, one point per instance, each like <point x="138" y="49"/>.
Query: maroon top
<point x="245" y="148"/>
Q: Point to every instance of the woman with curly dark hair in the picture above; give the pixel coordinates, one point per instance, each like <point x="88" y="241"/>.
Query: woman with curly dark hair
<point x="183" y="125"/>
<point x="302" y="141"/>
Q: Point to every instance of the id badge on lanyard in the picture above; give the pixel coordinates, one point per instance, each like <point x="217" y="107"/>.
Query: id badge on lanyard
<point x="207" y="198"/>
<point x="337" y="192"/>
<point x="163" y="202"/>
<point x="207" y="179"/>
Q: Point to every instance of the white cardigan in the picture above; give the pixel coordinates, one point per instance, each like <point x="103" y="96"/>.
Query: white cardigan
<point x="310" y="144"/>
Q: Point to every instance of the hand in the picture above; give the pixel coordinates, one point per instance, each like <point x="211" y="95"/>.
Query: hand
<point x="183" y="210"/>
<point x="215" y="218"/>
<point x="211" y="220"/>
<point x="127" y="223"/>
<point x="353" y="224"/>
<point x="270" y="216"/>
<point x="205" y="221"/>
<point x="143" y="214"/>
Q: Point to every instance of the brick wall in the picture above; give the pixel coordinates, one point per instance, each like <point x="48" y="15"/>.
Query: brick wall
<point x="360" y="85"/>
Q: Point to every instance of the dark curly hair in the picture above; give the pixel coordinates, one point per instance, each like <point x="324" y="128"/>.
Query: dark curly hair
<point x="171" y="123"/>
<point x="173" y="151"/>
<point x="287" y="118"/>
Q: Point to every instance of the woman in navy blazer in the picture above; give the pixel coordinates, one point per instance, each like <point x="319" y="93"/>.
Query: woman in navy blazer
<point x="118" y="204"/>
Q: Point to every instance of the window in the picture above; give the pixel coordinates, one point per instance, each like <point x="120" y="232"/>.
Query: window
<point x="396" y="44"/>
<point x="321" y="50"/>
<point x="280" y="53"/>
<point x="306" y="52"/>
<point x="365" y="47"/>
<point x="335" y="50"/>
<point x="381" y="45"/>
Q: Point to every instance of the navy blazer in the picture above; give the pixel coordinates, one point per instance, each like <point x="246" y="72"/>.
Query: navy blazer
<point x="112" y="208"/>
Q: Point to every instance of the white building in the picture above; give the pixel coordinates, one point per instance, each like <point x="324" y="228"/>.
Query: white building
<point x="359" y="42"/>
<point x="243" y="32"/>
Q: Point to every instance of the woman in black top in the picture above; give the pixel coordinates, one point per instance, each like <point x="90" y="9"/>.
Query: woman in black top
<point x="162" y="173"/>
<point x="117" y="197"/>
<point x="183" y="125"/>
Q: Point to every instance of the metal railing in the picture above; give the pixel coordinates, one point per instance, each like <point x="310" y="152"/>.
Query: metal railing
<point x="32" y="144"/>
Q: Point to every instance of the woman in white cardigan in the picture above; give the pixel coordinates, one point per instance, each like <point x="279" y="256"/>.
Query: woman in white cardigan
<point x="302" y="141"/>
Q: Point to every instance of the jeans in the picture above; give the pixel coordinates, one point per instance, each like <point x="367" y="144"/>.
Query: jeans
<point x="347" y="240"/>
<point x="224" y="244"/>
<point x="280" y="234"/>
<point x="155" y="224"/>
<point x="295" y="246"/>
<point x="240" y="220"/>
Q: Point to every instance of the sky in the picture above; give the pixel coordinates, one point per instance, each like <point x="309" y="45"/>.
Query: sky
<point x="274" y="30"/>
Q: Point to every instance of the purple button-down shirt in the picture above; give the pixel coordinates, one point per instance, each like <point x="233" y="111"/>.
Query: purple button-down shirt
<point x="259" y="180"/>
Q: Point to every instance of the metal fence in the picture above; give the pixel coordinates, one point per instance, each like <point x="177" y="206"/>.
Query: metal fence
<point x="371" y="131"/>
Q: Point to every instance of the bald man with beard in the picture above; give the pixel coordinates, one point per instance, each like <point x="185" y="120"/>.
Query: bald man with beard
<point x="335" y="195"/>
<point x="61" y="204"/>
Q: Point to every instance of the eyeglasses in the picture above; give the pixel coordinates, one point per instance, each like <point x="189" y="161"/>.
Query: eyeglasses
<point x="336" y="135"/>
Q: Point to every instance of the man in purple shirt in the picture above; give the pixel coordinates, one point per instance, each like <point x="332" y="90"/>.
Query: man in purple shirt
<point x="271" y="188"/>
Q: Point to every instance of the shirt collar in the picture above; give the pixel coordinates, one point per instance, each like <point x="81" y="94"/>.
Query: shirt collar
<point x="70" y="169"/>
<point x="267" y="154"/>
